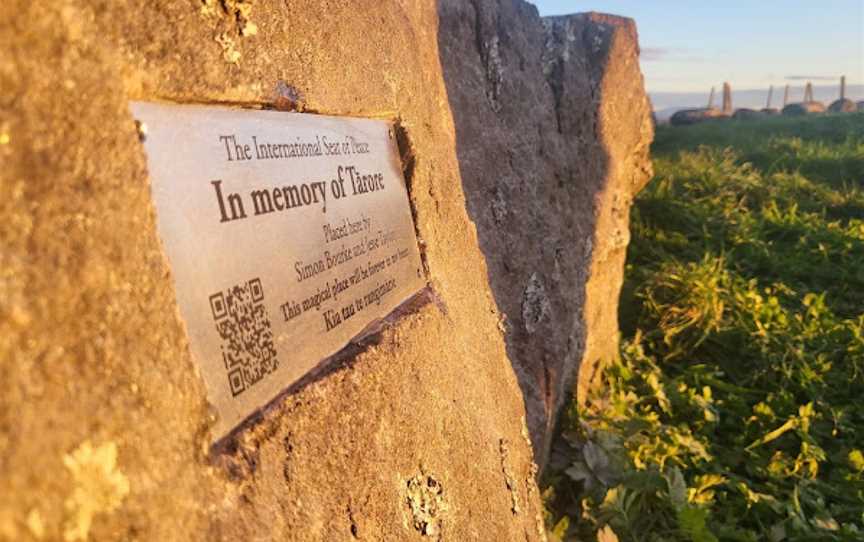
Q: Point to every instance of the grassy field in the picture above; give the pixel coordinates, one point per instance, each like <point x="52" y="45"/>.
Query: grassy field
<point x="736" y="411"/>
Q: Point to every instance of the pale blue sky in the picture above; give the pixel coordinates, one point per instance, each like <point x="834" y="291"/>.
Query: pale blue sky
<point x="691" y="45"/>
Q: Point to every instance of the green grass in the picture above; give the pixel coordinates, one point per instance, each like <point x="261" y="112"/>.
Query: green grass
<point x="736" y="410"/>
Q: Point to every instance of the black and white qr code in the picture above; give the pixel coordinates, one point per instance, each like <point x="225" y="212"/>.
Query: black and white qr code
<point x="247" y="337"/>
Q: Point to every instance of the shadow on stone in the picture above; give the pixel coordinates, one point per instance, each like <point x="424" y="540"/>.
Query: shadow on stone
<point x="552" y="131"/>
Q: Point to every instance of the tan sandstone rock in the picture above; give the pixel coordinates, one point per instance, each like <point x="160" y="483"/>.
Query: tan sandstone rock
<point x="417" y="434"/>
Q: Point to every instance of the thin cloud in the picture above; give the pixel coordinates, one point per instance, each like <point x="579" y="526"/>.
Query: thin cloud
<point x="652" y="54"/>
<point x="811" y="78"/>
<point x="667" y="54"/>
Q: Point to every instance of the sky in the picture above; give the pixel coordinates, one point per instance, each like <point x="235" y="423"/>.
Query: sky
<point x="692" y="45"/>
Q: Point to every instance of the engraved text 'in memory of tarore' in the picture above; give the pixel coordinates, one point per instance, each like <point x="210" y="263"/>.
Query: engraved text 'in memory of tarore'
<point x="287" y="234"/>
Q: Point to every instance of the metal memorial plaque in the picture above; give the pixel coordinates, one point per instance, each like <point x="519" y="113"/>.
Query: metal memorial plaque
<point x="287" y="234"/>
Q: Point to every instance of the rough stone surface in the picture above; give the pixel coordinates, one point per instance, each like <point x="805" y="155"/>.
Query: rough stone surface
<point x="686" y="117"/>
<point x="92" y="348"/>
<point x="421" y="433"/>
<point x="745" y="113"/>
<point x="843" y="105"/>
<point x="803" y="108"/>
<point x="552" y="131"/>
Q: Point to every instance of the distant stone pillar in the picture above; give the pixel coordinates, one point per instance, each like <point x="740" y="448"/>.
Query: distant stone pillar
<point x="786" y="96"/>
<point x="711" y="99"/>
<point x="770" y="96"/>
<point x="843" y="87"/>
<point x="727" y="99"/>
<point x="808" y="92"/>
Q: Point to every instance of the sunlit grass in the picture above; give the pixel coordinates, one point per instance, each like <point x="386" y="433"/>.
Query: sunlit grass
<point x="736" y="411"/>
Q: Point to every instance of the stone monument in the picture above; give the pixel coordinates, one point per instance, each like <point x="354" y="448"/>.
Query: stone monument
<point x="518" y="144"/>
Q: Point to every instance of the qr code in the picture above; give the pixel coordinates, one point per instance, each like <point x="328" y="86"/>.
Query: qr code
<point x="247" y="337"/>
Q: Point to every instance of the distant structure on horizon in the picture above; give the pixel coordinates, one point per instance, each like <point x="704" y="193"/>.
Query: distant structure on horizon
<point x="727" y="100"/>
<point x="694" y="116"/>
<point x="843" y="105"/>
<point x="768" y="110"/>
<point x="746" y="113"/>
<point x="807" y="107"/>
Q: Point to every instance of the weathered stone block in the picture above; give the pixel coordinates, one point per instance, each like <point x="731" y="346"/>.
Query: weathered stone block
<point x="535" y="131"/>
<point x="552" y="132"/>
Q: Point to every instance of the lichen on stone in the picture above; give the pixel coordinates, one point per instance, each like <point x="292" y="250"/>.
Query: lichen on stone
<point x="241" y="10"/>
<point x="229" y="48"/>
<point x="494" y="72"/>
<point x="99" y="487"/>
<point x="5" y="136"/>
<point x="535" y="304"/>
<point x="499" y="206"/>
<point x="209" y="8"/>
<point x="509" y="479"/>
<point x="238" y="13"/>
<point x="425" y="497"/>
<point x="36" y="524"/>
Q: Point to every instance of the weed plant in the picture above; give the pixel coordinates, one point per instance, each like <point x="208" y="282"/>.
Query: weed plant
<point x="736" y="409"/>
